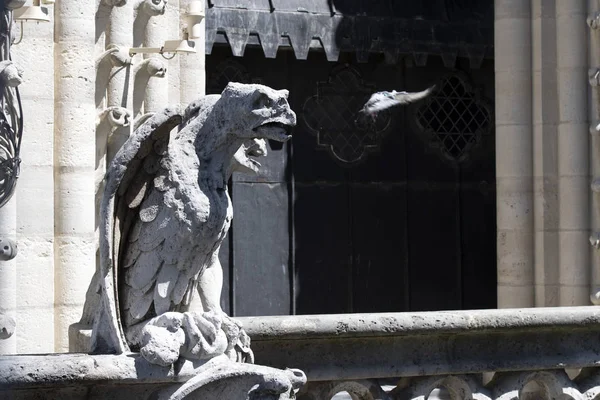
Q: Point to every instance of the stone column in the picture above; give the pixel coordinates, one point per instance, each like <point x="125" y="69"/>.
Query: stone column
<point x="157" y="90"/>
<point x="35" y="188"/>
<point x="594" y="119"/>
<point x="545" y="126"/>
<point x="192" y="72"/>
<point x="514" y="150"/>
<point x="74" y="149"/>
<point x="120" y="33"/>
<point x="8" y="277"/>
<point x="573" y="148"/>
<point x="192" y="80"/>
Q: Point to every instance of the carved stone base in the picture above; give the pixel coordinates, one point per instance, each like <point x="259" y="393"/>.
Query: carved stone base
<point x="129" y="376"/>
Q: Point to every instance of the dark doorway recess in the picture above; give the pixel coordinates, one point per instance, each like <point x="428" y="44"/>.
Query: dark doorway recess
<point x="396" y="214"/>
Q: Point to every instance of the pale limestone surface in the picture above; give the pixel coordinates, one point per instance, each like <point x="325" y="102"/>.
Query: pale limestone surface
<point x="44" y="287"/>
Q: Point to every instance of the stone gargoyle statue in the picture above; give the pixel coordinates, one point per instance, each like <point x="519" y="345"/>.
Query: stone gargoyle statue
<point x="165" y="211"/>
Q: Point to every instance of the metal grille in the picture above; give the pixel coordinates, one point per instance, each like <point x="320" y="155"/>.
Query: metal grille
<point x="227" y="71"/>
<point x="455" y="118"/>
<point x="332" y="114"/>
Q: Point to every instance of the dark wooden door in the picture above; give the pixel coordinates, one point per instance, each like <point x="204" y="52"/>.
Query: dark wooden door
<point x="356" y="215"/>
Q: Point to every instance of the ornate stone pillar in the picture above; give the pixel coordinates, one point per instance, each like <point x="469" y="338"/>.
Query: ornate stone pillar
<point x="573" y="156"/>
<point x="120" y="33"/>
<point x="545" y="126"/>
<point x="156" y="90"/>
<point x="74" y="149"/>
<point x="514" y="151"/>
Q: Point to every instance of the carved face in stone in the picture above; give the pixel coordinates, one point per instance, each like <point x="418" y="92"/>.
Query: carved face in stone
<point x="267" y="113"/>
<point x="156" y="67"/>
<point x="155" y="7"/>
<point x="119" y="117"/>
<point x="10" y="74"/>
<point x="244" y="159"/>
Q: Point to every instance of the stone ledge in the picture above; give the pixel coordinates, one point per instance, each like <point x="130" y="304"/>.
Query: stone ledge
<point x="362" y="346"/>
<point x="74" y="369"/>
<point x="422" y="323"/>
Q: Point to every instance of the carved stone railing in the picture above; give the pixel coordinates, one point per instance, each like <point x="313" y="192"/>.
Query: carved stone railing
<point x="550" y="353"/>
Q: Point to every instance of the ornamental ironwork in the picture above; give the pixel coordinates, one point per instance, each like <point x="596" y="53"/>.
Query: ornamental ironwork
<point x="333" y="116"/>
<point x="11" y="112"/>
<point x="455" y="117"/>
<point x="227" y="71"/>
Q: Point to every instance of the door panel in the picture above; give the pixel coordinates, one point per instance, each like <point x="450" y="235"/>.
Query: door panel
<point x="395" y="214"/>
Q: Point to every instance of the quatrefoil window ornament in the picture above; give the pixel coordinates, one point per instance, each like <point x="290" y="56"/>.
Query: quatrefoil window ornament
<point x="455" y="118"/>
<point x="333" y="116"/>
<point x="227" y="71"/>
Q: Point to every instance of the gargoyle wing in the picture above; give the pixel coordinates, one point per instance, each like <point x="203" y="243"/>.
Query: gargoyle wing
<point x="129" y="176"/>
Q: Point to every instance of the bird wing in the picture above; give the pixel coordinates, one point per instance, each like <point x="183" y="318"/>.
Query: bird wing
<point x="383" y="100"/>
<point x="130" y="190"/>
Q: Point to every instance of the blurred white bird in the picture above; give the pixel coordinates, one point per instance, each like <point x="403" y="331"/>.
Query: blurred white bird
<point x="383" y="100"/>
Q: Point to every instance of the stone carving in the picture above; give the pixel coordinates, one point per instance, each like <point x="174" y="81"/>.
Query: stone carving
<point x="154" y="7"/>
<point x="10" y="74"/>
<point x="8" y="249"/>
<point x="548" y="384"/>
<point x="165" y="211"/>
<point x="155" y="67"/>
<point x="7" y="326"/>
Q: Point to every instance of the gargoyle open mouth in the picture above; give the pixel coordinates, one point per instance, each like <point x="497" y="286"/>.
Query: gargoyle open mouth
<point x="274" y="130"/>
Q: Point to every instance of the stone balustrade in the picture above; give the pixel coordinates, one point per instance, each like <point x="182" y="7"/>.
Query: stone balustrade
<point x="549" y="353"/>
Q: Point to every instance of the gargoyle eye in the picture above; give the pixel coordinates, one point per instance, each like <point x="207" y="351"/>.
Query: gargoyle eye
<point x="263" y="101"/>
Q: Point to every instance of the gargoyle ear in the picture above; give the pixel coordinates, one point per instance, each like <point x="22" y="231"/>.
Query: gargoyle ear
<point x="284" y="92"/>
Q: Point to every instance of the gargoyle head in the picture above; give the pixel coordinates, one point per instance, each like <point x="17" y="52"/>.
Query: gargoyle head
<point x="118" y="117"/>
<point x="156" y="67"/>
<point x="244" y="159"/>
<point x="10" y="74"/>
<point x="155" y="7"/>
<point x="267" y="113"/>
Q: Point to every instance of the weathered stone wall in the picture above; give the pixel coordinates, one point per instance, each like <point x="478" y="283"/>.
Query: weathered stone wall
<point x="66" y="88"/>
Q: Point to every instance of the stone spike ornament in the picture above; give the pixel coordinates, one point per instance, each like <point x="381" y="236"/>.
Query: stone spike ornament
<point x="165" y="211"/>
<point x="383" y="100"/>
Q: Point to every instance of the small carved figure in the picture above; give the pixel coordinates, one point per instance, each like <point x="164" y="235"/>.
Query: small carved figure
<point x="10" y="74"/>
<point x="165" y="212"/>
<point x="154" y="7"/>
